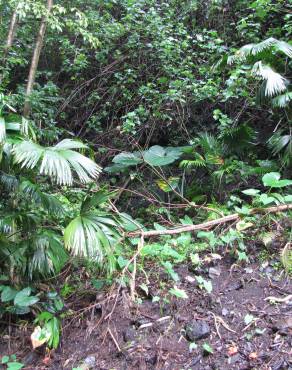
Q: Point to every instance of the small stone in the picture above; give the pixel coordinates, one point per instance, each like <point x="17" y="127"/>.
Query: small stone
<point x="214" y="272"/>
<point x="31" y="358"/>
<point x="197" y="329"/>
<point x="190" y="279"/>
<point x="90" y="362"/>
<point x="225" y="312"/>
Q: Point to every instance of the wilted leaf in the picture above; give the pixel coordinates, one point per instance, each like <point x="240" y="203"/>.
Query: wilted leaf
<point x="39" y="336"/>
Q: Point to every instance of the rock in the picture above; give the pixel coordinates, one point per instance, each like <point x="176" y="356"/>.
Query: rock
<point x="129" y="335"/>
<point x="225" y="312"/>
<point x="283" y="326"/>
<point x="214" y="272"/>
<point x="90" y="362"/>
<point x="191" y="280"/>
<point x="31" y="358"/>
<point x="197" y="329"/>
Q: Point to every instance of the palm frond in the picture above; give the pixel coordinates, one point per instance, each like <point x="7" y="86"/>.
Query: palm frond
<point x="283" y="100"/>
<point x="91" y="236"/>
<point x="2" y="130"/>
<point x="275" y="83"/>
<point x="257" y="49"/>
<point x="58" y="161"/>
<point x="10" y="182"/>
<point x="284" y="47"/>
<point x="209" y="143"/>
<point x="6" y="225"/>
<point x="46" y="254"/>
<point x="281" y="144"/>
<point x="47" y="201"/>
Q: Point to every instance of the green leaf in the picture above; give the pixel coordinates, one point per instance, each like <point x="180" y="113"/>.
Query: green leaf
<point x="272" y="180"/>
<point x="128" y="159"/>
<point x="14" y="366"/>
<point x="248" y="319"/>
<point x="23" y="298"/>
<point x="169" y="185"/>
<point x="207" y="348"/>
<point x="251" y="192"/>
<point x="8" y="294"/>
<point x="179" y="293"/>
<point x="159" y="156"/>
<point x="122" y="262"/>
<point x="4" y="359"/>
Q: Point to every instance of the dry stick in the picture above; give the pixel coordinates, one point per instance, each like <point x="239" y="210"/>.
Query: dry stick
<point x="208" y="224"/>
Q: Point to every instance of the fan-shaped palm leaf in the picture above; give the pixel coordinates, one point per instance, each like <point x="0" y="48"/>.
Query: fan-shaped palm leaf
<point x="10" y="182"/>
<point x="46" y="254"/>
<point x="47" y="201"/>
<point x="282" y="100"/>
<point x="257" y="50"/>
<point x="58" y="161"/>
<point x="2" y="130"/>
<point x="275" y="83"/>
<point x="91" y="236"/>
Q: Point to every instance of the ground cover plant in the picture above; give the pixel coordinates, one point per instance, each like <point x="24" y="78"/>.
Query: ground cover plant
<point x="145" y="181"/>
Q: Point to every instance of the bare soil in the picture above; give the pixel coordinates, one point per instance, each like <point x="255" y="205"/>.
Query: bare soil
<point x="107" y="331"/>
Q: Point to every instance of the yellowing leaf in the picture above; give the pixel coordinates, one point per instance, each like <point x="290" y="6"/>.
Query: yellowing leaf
<point x="168" y="185"/>
<point x="242" y="225"/>
<point x="39" y="336"/>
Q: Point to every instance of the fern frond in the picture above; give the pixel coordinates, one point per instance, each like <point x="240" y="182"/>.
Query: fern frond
<point x="192" y="163"/>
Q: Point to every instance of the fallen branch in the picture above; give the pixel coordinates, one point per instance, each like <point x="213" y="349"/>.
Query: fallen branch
<point x="208" y="224"/>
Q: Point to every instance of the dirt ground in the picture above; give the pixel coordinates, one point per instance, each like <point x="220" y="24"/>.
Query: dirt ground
<point x="243" y="326"/>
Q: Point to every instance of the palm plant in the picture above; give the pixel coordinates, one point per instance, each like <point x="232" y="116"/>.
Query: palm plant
<point x="33" y="218"/>
<point x="269" y="62"/>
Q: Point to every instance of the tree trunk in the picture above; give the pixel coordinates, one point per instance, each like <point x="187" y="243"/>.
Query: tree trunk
<point x="10" y="39"/>
<point x="11" y="34"/>
<point x="35" y="59"/>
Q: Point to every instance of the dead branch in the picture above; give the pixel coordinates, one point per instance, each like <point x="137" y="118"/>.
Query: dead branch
<point x="209" y="224"/>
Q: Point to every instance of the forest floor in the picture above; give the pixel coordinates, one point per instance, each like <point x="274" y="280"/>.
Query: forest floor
<point x="239" y="322"/>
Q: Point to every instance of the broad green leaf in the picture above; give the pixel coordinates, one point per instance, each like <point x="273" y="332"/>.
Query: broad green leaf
<point x="159" y="156"/>
<point x="8" y="294"/>
<point x="251" y="192"/>
<point x="272" y="180"/>
<point x="23" y="298"/>
<point x="14" y="366"/>
<point x="128" y="159"/>
<point x="4" y="359"/>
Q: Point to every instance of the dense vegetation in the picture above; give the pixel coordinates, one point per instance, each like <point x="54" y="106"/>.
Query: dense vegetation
<point x="122" y="116"/>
